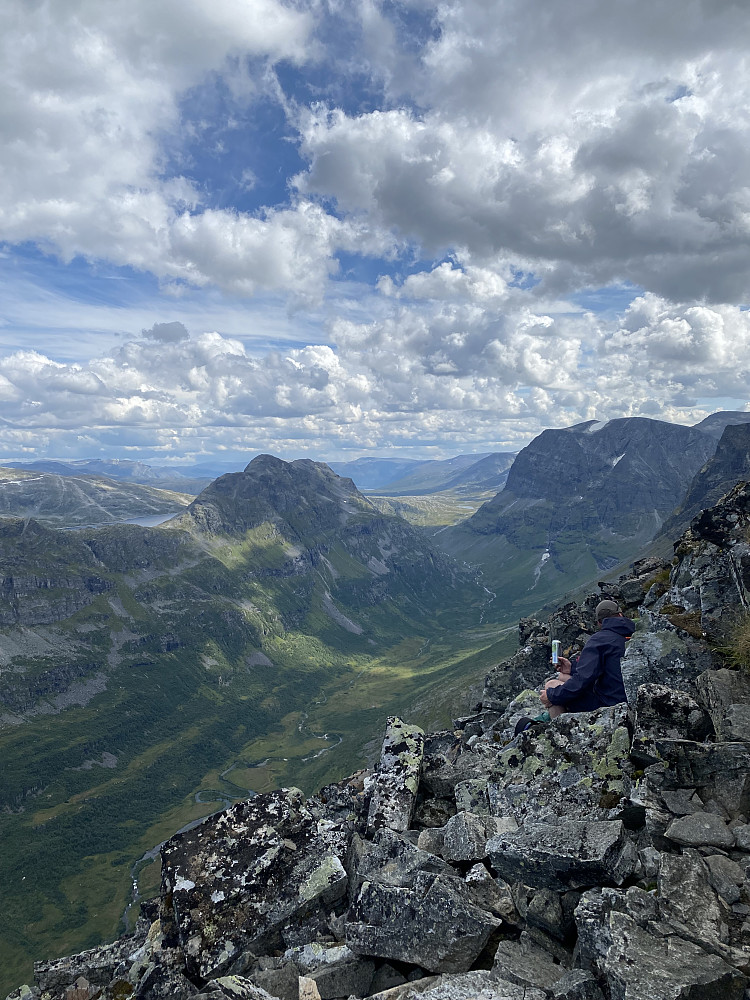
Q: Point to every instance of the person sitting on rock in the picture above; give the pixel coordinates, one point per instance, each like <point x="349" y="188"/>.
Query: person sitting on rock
<point x="593" y="679"/>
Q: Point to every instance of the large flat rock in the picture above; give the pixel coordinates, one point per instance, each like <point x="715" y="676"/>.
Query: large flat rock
<point x="564" y="856"/>
<point x="433" y="925"/>
<point x="230" y="884"/>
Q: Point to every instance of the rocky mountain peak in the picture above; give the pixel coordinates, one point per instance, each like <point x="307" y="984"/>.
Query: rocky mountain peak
<point x="605" y="457"/>
<point x="729" y="465"/>
<point x="302" y="498"/>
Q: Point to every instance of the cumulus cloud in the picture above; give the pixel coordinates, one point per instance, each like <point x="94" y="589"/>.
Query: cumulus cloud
<point x="600" y="142"/>
<point x="90" y="97"/>
<point x="443" y="373"/>
<point x="494" y="160"/>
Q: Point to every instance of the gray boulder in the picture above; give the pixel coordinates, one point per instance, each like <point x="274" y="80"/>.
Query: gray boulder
<point x="688" y="902"/>
<point x="665" y="713"/>
<point x="726" y="694"/>
<point x="160" y="982"/>
<point x="700" y="829"/>
<point x="389" y="922"/>
<point x="620" y="939"/>
<point x="395" y="785"/>
<point x="564" y="855"/>
<point x="466" y="834"/>
<point x="233" y="988"/>
<point x="718" y="771"/>
<point x="480" y="985"/>
<point x="526" y="963"/>
<point x="231" y="884"/>
<point x="578" y="984"/>
<point x="392" y="860"/>
<point x="491" y="894"/>
<point x="660" y="654"/>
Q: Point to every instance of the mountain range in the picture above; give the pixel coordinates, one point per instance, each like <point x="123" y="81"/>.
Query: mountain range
<point x="263" y="634"/>
<point x="75" y="500"/>
<point x="580" y="500"/>
<point x="148" y="675"/>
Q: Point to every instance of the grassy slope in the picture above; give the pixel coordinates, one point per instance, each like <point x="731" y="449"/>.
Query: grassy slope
<point x="177" y="718"/>
<point x="437" y="509"/>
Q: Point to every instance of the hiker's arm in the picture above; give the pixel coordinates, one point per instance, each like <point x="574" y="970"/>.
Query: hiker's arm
<point x="564" y="665"/>
<point x="585" y="671"/>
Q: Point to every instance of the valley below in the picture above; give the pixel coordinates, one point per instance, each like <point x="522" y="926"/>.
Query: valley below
<point x="150" y="676"/>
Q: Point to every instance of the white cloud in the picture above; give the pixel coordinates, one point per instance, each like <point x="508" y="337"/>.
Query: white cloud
<point x="91" y="92"/>
<point x="600" y="142"/>
<point x="494" y="160"/>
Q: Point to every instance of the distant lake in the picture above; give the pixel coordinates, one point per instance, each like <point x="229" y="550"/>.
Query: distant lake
<point x="151" y="521"/>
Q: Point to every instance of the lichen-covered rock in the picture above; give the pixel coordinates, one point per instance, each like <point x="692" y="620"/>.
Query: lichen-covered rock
<point x="471" y="796"/>
<point x="660" y="654"/>
<point x="98" y="966"/>
<point x="577" y="767"/>
<point x="564" y="855"/>
<point x="433" y="925"/>
<point x="465" y="836"/>
<point x="394" y="787"/>
<point x="233" y="882"/>
<point x="726" y="694"/>
<point x="479" y="985"/>
<point x="622" y="940"/>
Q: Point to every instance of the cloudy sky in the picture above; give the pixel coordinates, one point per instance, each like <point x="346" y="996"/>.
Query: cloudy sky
<point x="333" y="228"/>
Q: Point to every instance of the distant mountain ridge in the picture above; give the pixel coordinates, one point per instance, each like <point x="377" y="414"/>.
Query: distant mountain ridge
<point x="577" y="501"/>
<point x="182" y="481"/>
<point x="75" y="500"/>
<point x="715" y="423"/>
<point x="729" y="465"/>
<point x="395" y="477"/>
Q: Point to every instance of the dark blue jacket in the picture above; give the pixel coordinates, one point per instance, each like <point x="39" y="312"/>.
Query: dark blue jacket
<point x="596" y="670"/>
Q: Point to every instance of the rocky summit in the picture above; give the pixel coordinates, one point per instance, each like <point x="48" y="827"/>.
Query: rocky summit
<point x="601" y="856"/>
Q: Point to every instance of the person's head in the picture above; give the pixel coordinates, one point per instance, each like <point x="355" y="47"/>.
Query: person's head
<point x="606" y="609"/>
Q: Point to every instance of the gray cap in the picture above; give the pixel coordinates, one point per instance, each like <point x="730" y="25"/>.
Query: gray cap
<point x="605" y="609"/>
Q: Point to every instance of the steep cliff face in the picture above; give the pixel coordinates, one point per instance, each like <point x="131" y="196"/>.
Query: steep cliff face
<point x="600" y="855"/>
<point x="729" y="465"/>
<point x="578" y="501"/>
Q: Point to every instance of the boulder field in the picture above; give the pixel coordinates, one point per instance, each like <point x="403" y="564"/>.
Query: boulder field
<point x="602" y="856"/>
